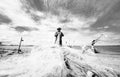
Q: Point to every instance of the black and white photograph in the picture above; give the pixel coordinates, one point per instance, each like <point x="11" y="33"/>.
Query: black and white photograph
<point x="59" y="38"/>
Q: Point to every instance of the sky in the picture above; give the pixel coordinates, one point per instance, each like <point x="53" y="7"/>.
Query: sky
<point x="81" y="21"/>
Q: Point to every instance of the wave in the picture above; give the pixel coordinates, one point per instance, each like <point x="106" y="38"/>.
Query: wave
<point x="56" y="62"/>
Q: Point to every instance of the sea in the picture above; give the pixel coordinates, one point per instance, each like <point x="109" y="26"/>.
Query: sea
<point x="105" y="49"/>
<point x="109" y="49"/>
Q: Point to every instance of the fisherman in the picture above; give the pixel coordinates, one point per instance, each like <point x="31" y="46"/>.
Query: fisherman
<point x="58" y="37"/>
<point x="92" y="45"/>
<point x="94" y="42"/>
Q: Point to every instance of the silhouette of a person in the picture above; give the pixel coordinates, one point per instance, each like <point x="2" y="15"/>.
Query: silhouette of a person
<point x="93" y="46"/>
<point x="58" y="36"/>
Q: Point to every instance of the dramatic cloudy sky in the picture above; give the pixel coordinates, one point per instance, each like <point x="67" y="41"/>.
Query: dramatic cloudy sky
<point x="81" y="21"/>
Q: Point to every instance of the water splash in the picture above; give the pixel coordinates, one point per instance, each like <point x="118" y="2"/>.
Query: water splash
<point x="56" y="62"/>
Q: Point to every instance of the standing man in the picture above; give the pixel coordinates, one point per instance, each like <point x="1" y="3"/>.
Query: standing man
<point x="58" y="37"/>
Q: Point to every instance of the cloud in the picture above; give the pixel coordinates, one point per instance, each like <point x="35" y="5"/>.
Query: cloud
<point x="110" y="18"/>
<point x="64" y="20"/>
<point x="35" y="4"/>
<point x="23" y="28"/>
<point x="77" y="16"/>
<point x="8" y="34"/>
<point x="81" y="20"/>
<point x="84" y="8"/>
<point x="14" y="11"/>
<point x="4" y="19"/>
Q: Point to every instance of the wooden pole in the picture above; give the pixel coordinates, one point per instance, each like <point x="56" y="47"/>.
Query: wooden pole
<point x="19" y="48"/>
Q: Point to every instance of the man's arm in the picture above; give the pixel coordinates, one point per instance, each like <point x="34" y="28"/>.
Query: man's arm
<point x="56" y="34"/>
<point x="62" y="34"/>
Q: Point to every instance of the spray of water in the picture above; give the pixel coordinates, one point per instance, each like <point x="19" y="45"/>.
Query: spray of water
<point x="56" y="62"/>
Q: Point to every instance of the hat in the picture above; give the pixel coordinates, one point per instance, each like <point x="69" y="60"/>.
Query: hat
<point x="59" y="28"/>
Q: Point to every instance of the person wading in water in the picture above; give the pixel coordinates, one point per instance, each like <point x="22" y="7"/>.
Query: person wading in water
<point x="58" y="37"/>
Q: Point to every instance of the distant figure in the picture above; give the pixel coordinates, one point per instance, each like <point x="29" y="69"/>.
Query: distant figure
<point x="94" y="42"/>
<point x="93" y="45"/>
<point x="58" y="37"/>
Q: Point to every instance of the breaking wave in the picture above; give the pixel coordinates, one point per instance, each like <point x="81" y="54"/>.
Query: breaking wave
<point x="55" y="62"/>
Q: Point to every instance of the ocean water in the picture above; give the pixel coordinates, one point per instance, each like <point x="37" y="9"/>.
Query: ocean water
<point x="107" y="49"/>
<point x="110" y="49"/>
